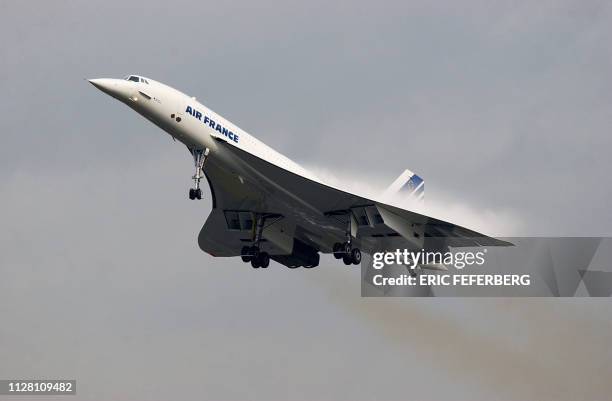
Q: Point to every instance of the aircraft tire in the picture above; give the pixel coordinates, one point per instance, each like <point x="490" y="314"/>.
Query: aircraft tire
<point x="245" y="254"/>
<point x="264" y="260"/>
<point x="337" y="250"/>
<point x="356" y="256"/>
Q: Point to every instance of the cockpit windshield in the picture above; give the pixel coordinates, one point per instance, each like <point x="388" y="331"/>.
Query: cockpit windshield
<point x="136" y="78"/>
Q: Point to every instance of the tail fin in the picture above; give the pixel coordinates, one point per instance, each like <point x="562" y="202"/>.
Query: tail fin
<point x="408" y="183"/>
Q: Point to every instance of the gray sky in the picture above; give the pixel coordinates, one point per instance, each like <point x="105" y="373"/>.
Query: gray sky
<point x="504" y="109"/>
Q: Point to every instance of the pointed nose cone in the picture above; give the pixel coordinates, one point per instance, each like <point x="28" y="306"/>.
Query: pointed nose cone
<point x="112" y="87"/>
<point x="104" y="84"/>
<point x="96" y="82"/>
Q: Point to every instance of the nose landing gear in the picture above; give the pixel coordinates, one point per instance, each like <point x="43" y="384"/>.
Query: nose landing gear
<point x="199" y="159"/>
<point x="195" y="193"/>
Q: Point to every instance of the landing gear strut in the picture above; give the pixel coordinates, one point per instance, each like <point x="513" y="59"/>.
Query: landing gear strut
<point x="345" y="250"/>
<point x="253" y="253"/>
<point x="199" y="158"/>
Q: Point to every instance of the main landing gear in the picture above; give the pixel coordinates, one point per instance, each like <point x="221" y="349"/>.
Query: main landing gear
<point x="255" y="256"/>
<point x="199" y="158"/>
<point x="345" y="250"/>
<point x="253" y="253"/>
<point x="348" y="254"/>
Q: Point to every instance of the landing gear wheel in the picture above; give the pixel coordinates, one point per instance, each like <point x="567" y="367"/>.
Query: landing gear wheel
<point x="337" y="250"/>
<point x="347" y="248"/>
<point x="245" y="254"/>
<point x="347" y="260"/>
<point x="191" y="194"/>
<point x="259" y="259"/>
<point x="254" y="252"/>
<point x="198" y="193"/>
<point x="356" y="256"/>
<point x="264" y="260"/>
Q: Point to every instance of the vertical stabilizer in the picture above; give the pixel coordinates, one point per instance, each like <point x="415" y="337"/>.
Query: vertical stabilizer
<point x="409" y="184"/>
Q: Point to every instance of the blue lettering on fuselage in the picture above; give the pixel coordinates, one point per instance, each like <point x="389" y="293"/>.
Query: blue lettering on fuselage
<point x="211" y="123"/>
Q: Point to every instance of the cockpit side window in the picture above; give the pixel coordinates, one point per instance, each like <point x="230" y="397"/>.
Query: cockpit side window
<point x="136" y="78"/>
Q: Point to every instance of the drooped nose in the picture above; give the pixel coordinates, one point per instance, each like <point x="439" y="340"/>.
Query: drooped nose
<point x="114" y="87"/>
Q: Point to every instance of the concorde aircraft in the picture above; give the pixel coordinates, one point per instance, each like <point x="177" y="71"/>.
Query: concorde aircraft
<point x="265" y="206"/>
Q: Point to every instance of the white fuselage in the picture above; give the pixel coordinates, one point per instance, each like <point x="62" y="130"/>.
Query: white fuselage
<point x="189" y="121"/>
